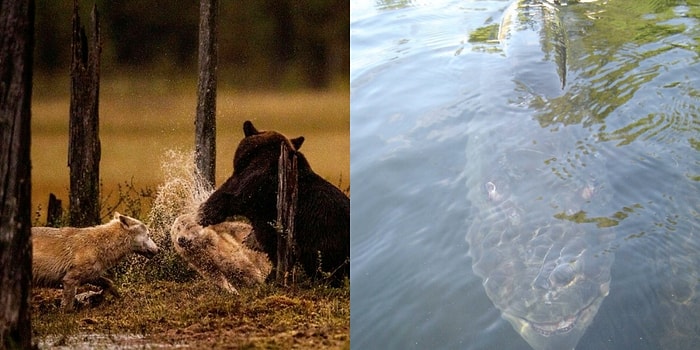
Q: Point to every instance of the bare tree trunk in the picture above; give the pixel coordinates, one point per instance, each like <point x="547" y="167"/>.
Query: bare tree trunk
<point x="16" y="48"/>
<point x="286" y="212"/>
<point x="84" y="145"/>
<point x="205" y="121"/>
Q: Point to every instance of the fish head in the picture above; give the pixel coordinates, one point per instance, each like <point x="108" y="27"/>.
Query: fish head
<point x="559" y="289"/>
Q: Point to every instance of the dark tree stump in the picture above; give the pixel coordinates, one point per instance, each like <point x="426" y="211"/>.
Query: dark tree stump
<point x="16" y="57"/>
<point x="54" y="213"/>
<point x="84" y="143"/>
<point x="287" y="193"/>
<point x="205" y="121"/>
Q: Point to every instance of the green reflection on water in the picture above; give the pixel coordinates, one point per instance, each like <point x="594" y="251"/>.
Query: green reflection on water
<point x="393" y="4"/>
<point x="581" y="217"/>
<point x="484" y="34"/>
<point x="616" y="49"/>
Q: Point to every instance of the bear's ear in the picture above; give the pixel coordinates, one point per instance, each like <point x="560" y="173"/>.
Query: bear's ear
<point x="249" y="129"/>
<point x="297" y="142"/>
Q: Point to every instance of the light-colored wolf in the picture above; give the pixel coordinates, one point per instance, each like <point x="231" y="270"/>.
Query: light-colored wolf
<point x="72" y="256"/>
<point x="218" y="253"/>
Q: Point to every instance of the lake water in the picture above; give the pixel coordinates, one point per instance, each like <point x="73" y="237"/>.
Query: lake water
<point x="591" y="121"/>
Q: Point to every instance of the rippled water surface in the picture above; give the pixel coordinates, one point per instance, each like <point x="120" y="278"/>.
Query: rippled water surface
<point x="587" y="121"/>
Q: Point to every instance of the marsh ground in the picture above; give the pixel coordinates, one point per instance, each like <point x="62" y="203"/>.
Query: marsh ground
<point x="197" y="315"/>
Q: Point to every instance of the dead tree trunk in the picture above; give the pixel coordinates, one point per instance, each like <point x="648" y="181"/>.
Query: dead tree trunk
<point x="287" y="194"/>
<point x="16" y="47"/>
<point x="84" y="143"/>
<point x="205" y="121"/>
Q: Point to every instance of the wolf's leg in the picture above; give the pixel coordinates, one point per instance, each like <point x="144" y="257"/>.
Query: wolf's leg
<point x="69" y="288"/>
<point x="107" y="286"/>
<point x="225" y="285"/>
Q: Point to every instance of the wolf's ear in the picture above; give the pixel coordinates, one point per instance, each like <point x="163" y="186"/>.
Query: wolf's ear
<point x="123" y="220"/>
<point x="297" y="142"/>
<point x="249" y="129"/>
<point x="116" y="215"/>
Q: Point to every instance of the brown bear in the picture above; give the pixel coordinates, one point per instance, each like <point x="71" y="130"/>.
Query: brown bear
<point x="322" y="222"/>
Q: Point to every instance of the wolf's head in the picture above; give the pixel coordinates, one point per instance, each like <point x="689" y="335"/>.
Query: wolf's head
<point x="141" y="242"/>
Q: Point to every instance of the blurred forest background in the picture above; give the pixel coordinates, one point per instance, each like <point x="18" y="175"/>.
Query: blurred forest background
<point x="262" y="43"/>
<point x="282" y="64"/>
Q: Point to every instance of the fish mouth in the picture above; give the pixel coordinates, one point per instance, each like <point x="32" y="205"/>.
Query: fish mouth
<point x="548" y="329"/>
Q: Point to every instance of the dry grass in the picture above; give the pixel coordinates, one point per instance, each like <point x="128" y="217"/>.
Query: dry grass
<point x="198" y="315"/>
<point x="142" y="118"/>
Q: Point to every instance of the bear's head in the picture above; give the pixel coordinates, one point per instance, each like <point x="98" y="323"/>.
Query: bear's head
<point x="251" y="189"/>
<point x="261" y="147"/>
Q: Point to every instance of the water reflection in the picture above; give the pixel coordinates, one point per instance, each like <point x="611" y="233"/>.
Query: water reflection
<point x="612" y="153"/>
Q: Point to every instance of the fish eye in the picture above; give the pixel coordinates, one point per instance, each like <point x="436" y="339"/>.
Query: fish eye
<point x="563" y="274"/>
